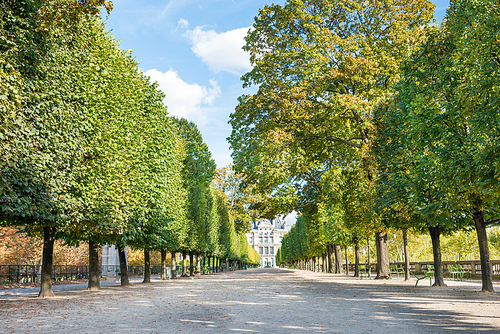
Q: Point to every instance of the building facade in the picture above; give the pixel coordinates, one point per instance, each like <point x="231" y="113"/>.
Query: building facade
<point x="266" y="237"/>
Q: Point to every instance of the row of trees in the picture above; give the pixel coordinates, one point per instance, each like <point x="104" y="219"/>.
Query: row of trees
<point x="368" y="116"/>
<point x="88" y="151"/>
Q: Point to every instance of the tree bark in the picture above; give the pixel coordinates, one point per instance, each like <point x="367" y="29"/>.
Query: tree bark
<point x="330" y="258"/>
<point x="338" y="259"/>
<point x="484" y="253"/>
<point x="94" y="282"/>
<point x="323" y="260"/>
<point x="163" y="272"/>
<point x="147" y="267"/>
<point x="407" y="255"/>
<point x="346" y="262"/>
<point x="123" y="267"/>
<point x="49" y="235"/>
<point x="382" y="255"/>
<point x="356" y="260"/>
<point x="435" y="233"/>
<point x="184" y="268"/>
<point x="191" y="264"/>
<point x="174" y="264"/>
<point x="314" y="263"/>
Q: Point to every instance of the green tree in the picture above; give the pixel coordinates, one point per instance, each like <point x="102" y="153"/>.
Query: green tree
<point x="198" y="172"/>
<point x="445" y="104"/>
<point x="321" y="68"/>
<point x="43" y="127"/>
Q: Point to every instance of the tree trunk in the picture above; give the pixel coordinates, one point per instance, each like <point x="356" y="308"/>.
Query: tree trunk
<point x="407" y="255"/>
<point x="198" y="265"/>
<point x="49" y="235"/>
<point x="123" y="267"/>
<point x="382" y="255"/>
<point x="346" y="262"/>
<point x="484" y="253"/>
<point x="163" y="272"/>
<point x="338" y="259"/>
<point x="94" y="283"/>
<point x="323" y="258"/>
<point x="184" y="267"/>
<point x="330" y="258"/>
<point x="314" y="263"/>
<point x="356" y="260"/>
<point x="191" y="264"/>
<point x="435" y="233"/>
<point x="174" y="264"/>
<point x="147" y="267"/>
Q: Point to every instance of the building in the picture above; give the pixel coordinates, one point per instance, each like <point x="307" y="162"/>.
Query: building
<point x="266" y="237"/>
<point x="111" y="260"/>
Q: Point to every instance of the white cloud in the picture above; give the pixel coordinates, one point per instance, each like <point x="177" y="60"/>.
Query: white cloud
<point x="221" y="52"/>
<point x="184" y="99"/>
<point x="182" y="23"/>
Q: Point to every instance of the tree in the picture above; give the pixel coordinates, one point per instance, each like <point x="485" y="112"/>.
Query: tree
<point x="321" y="68"/>
<point x="43" y="129"/>
<point x="239" y="197"/>
<point x="197" y="172"/>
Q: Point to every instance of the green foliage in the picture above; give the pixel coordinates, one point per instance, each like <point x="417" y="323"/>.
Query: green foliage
<point x="87" y="145"/>
<point x="321" y="69"/>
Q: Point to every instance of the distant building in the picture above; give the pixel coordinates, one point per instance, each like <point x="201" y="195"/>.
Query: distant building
<point x="111" y="260"/>
<point x="266" y="237"/>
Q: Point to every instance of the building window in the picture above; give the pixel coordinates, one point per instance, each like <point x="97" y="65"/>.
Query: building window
<point x="271" y="240"/>
<point x="260" y="239"/>
<point x="260" y="250"/>
<point x="265" y="239"/>
<point x="266" y="251"/>
<point x="281" y="239"/>
<point x="271" y="250"/>
<point x="251" y="239"/>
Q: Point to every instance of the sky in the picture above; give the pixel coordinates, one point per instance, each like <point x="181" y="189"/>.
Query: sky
<point x="193" y="49"/>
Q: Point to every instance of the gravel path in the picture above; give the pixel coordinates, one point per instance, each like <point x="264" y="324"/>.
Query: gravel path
<point x="258" y="301"/>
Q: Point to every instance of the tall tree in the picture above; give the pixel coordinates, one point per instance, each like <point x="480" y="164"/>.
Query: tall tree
<point x="446" y="102"/>
<point x="321" y="68"/>
<point x="197" y="172"/>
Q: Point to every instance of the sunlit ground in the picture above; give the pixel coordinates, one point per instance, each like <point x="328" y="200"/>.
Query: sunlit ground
<point x="259" y="301"/>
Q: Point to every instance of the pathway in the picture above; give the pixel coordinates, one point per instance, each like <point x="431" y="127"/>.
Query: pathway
<point x="259" y="301"/>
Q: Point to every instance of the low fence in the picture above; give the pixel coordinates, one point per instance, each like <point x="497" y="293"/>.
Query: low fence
<point x="474" y="266"/>
<point x="20" y="273"/>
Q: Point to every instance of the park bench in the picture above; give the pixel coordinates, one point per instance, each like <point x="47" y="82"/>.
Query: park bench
<point x="395" y="270"/>
<point x="365" y="271"/>
<point x="427" y="274"/>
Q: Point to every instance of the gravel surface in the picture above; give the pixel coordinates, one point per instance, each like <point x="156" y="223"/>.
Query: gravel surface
<point x="257" y="301"/>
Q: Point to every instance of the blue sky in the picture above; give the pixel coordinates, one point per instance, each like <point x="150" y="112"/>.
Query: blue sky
<point x="193" y="49"/>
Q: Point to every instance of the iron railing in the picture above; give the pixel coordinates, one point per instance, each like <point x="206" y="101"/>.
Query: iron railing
<point x="22" y="273"/>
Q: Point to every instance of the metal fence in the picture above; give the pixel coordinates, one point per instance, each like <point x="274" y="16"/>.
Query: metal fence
<point x="21" y="273"/>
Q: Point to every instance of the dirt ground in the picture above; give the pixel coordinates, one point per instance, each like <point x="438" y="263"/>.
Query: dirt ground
<point x="257" y="301"/>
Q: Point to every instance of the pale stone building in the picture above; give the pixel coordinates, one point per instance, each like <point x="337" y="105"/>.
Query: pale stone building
<point x="111" y="260"/>
<point x="266" y="237"/>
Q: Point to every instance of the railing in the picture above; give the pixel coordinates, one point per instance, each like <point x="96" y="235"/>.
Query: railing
<point x="474" y="266"/>
<point x="21" y="273"/>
